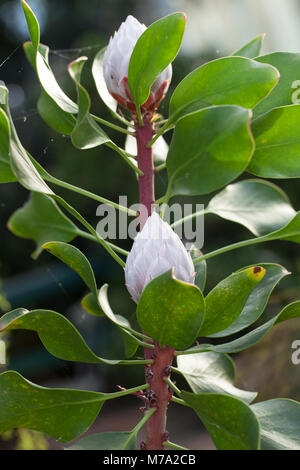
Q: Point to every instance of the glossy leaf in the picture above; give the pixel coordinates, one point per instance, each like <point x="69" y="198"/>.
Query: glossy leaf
<point x="76" y="260"/>
<point x="6" y="174"/>
<point x="90" y="304"/>
<point x="229" y="80"/>
<point x="258" y="205"/>
<point x="225" y="302"/>
<point x="250" y="339"/>
<point x="257" y="300"/>
<point x="155" y="49"/>
<point x="20" y="163"/>
<point x="130" y="343"/>
<point x="61" y="413"/>
<point x="290" y="232"/>
<point x="231" y="423"/>
<point x="32" y="23"/>
<point x="277" y="149"/>
<point x="86" y="134"/>
<point x="41" y="220"/>
<point x="279" y="421"/>
<point x="251" y="49"/>
<point x="209" y="149"/>
<point x="211" y="372"/>
<point x="97" y="71"/>
<point x="200" y="269"/>
<point x="287" y="90"/>
<point x="106" y="441"/>
<point x="54" y="116"/>
<point x="44" y="72"/>
<point x="118" y="320"/>
<point x="58" y="335"/>
<point x="49" y="110"/>
<point x="171" y="311"/>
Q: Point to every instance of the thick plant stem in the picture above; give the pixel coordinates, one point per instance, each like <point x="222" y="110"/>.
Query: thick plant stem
<point x="145" y="163"/>
<point x="158" y="394"/>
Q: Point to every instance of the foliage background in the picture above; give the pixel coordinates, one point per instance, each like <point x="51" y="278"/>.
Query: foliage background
<point x="73" y="28"/>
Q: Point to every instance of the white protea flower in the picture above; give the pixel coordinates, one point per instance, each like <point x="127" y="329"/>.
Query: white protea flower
<point x="156" y="249"/>
<point x="115" y="67"/>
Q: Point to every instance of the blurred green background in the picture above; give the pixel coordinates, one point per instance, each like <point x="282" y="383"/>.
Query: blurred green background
<point x="71" y="29"/>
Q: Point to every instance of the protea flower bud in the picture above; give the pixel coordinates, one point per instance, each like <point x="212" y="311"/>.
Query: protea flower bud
<point x="115" y="67"/>
<point x="156" y="249"/>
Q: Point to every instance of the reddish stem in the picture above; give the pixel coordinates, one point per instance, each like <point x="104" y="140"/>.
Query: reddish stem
<point x="145" y="163"/>
<point x="158" y="394"/>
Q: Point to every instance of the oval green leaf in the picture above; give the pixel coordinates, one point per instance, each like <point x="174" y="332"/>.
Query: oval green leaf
<point x="209" y="148"/>
<point x="229" y="80"/>
<point x="287" y="90"/>
<point x="41" y="220"/>
<point x="257" y="300"/>
<point x="211" y="372"/>
<point x="277" y="143"/>
<point x="279" y="422"/>
<point x="258" y="205"/>
<point x="230" y="422"/>
<point x="155" y="49"/>
<point x="171" y="311"/>
<point x="226" y="301"/>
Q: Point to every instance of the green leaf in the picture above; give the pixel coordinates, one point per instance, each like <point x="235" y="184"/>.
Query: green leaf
<point x="20" y="163"/>
<point x="51" y="87"/>
<point x="230" y="422"/>
<point x="279" y="421"/>
<point x="200" y="268"/>
<point x="171" y="311"/>
<point x="258" y="205"/>
<point x="49" y="110"/>
<point x="155" y="49"/>
<point x="250" y="339"/>
<point x="225" y="302"/>
<point x="118" y="320"/>
<point x="90" y="304"/>
<point x="76" y="260"/>
<point x="61" y="413"/>
<point x="252" y="48"/>
<point x="130" y="343"/>
<point x="86" y="134"/>
<point x="257" y="300"/>
<point x="209" y="148"/>
<point x="287" y="90"/>
<point x="211" y="372"/>
<point x="106" y="441"/>
<point x="32" y="23"/>
<point x="54" y="116"/>
<point x="6" y="174"/>
<point x="229" y="80"/>
<point x="97" y="71"/>
<point x="58" y="335"/>
<point x="41" y="220"/>
<point x="291" y="231"/>
<point x="277" y="149"/>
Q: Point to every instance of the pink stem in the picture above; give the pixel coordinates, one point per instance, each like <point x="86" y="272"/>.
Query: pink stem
<point x="145" y="163"/>
<point x="158" y="395"/>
